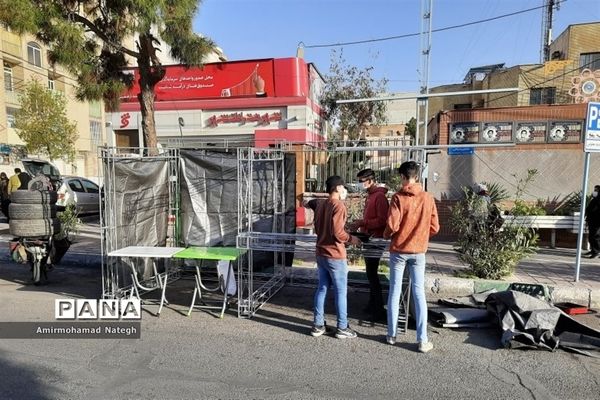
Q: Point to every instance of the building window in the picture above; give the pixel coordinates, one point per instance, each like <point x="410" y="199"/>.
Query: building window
<point x="8" y="78"/>
<point x="589" y="61"/>
<point x="10" y="116"/>
<point x="542" y="96"/>
<point x="95" y="131"/>
<point x="34" y="54"/>
<point x="464" y="106"/>
<point x="51" y="85"/>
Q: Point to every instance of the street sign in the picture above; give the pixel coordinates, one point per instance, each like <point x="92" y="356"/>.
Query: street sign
<point x="463" y="150"/>
<point x="592" y="128"/>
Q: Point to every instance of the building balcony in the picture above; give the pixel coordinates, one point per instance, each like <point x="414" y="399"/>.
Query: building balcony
<point x="11" y="44"/>
<point x="11" y="97"/>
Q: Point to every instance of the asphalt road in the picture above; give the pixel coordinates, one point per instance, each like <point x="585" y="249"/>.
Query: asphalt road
<point x="269" y="357"/>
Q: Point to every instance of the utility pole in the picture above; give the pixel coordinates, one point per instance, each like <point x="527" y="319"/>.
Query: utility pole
<point x="425" y="50"/>
<point x="547" y="20"/>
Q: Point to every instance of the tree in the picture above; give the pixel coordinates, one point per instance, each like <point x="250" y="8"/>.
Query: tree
<point x="42" y="123"/>
<point x="411" y="128"/>
<point x="349" y="82"/>
<point x="88" y="37"/>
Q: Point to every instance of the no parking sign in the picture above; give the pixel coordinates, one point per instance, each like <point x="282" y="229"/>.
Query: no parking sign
<point x="592" y="128"/>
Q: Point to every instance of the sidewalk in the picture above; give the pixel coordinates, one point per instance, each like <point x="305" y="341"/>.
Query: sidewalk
<point x="554" y="268"/>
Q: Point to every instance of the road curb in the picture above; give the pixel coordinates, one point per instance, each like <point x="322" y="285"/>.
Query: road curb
<point x="450" y="286"/>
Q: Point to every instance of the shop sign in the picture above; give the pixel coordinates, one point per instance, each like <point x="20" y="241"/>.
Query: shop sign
<point x="463" y="133"/>
<point x="217" y="80"/>
<point x="241" y="118"/>
<point x="530" y="132"/>
<point x="497" y="132"/>
<point x="564" y="131"/>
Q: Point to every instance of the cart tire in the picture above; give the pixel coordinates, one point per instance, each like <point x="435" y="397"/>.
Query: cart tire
<point x="33" y="197"/>
<point x="31" y="211"/>
<point x="34" y="227"/>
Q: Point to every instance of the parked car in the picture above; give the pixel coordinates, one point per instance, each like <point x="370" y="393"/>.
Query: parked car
<point x="81" y="192"/>
<point x="34" y="166"/>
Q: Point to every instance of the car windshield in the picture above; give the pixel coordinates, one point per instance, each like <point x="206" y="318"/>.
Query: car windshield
<point x="34" y="168"/>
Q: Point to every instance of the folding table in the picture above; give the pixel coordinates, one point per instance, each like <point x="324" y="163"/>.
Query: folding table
<point x="148" y="252"/>
<point x="230" y="254"/>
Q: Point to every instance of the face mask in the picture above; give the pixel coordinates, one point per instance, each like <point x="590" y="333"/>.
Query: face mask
<point x="343" y="194"/>
<point x="594" y="194"/>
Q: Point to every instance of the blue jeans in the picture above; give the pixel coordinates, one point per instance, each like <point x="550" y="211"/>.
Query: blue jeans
<point x="334" y="272"/>
<point x="416" y="267"/>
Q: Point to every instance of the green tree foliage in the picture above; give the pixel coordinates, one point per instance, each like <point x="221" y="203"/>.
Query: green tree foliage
<point x="42" y="123"/>
<point x="350" y="82"/>
<point x="411" y="128"/>
<point x="491" y="249"/>
<point x="89" y="38"/>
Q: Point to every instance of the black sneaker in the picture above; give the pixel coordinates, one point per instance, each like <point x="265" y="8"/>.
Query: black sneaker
<point x="318" y="330"/>
<point x="345" y="333"/>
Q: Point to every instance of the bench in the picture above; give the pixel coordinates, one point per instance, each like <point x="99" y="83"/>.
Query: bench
<point x="554" y="222"/>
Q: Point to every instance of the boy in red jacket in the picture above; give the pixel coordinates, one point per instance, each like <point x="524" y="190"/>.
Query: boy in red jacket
<point x="373" y="223"/>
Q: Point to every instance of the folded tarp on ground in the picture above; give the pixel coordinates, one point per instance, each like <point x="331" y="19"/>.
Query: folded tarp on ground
<point x="462" y="317"/>
<point x="530" y="322"/>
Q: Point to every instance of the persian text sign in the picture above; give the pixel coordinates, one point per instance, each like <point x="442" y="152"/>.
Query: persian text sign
<point x="241" y="119"/>
<point x="231" y="79"/>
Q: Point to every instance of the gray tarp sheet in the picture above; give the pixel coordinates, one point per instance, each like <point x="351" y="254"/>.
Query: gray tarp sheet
<point x="141" y="204"/>
<point x="532" y="322"/>
<point x="209" y="196"/>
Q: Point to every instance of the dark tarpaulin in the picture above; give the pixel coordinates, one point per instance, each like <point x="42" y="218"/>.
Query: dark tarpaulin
<point x="209" y="198"/>
<point x="527" y="321"/>
<point x="141" y="205"/>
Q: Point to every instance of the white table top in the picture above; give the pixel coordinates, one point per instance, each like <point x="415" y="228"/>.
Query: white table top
<point x="146" y="252"/>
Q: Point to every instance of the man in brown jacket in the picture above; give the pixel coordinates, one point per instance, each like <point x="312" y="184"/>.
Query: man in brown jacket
<point x="412" y="220"/>
<point x="330" y="218"/>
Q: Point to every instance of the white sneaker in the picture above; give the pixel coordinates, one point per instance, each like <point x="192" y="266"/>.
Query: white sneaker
<point x="425" y="347"/>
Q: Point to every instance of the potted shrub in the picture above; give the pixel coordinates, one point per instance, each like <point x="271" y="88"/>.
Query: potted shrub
<point x="491" y="249"/>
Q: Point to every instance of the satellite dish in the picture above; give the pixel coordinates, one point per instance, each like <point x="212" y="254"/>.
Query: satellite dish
<point x="181" y="121"/>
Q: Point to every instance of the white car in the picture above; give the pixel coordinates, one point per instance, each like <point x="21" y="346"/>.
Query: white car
<point x="81" y="192"/>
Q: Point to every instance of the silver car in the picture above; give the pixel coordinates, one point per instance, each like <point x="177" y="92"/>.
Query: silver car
<point x="81" y="192"/>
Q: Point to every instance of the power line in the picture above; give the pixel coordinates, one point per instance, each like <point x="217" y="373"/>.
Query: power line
<point x="447" y="28"/>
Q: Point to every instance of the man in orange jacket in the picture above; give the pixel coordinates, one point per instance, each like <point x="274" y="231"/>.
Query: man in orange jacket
<point x="412" y="220"/>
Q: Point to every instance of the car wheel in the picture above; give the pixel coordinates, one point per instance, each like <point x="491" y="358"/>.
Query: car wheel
<point x="31" y="211"/>
<point x="33" y="197"/>
<point x="34" y="227"/>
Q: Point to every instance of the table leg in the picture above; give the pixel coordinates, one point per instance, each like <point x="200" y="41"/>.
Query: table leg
<point x="226" y="290"/>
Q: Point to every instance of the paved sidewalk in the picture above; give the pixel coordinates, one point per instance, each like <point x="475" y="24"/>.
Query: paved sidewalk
<point x="554" y="268"/>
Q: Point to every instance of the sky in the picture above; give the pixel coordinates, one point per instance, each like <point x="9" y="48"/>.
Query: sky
<point x="251" y="29"/>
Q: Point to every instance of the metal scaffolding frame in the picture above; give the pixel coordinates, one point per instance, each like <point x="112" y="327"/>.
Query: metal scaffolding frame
<point x="255" y="289"/>
<point x="109" y="157"/>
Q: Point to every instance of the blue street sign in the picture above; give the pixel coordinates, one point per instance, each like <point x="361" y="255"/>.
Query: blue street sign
<point x="592" y="128"/>
<point x="460" y="151"/>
